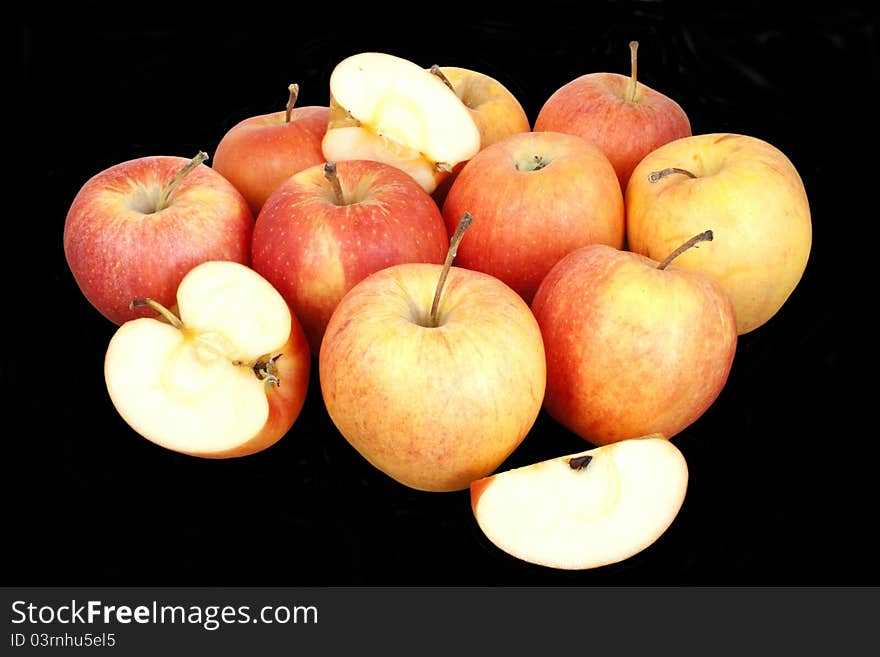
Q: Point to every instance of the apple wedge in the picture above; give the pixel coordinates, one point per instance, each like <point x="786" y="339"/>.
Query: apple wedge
<point x="391" y="110"/>
<point x="584" y="510"/>
<point x="226" y="378"/>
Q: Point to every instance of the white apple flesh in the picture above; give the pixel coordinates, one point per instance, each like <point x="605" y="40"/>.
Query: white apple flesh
<point x="227" y="378"/>
<point x="389" y="109"/>
<point x="584" y="510"/>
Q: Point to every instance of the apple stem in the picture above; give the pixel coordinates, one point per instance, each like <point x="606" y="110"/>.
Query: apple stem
<point x="291" y="101"/>
<point x="705" y="236"/>
<point x="332" y="176"/>
<point x="173" y="319"/>
<point x="435" y="70"/>
<point x="657" y="176"/>
<point x="466" y="220"/>
<point x="633" y="85"/>
<point x="580" y="462"/>
<point x="200" y="157"/>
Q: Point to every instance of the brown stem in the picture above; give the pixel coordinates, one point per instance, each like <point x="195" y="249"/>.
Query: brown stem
<point x="633" y="83"/>
<point x="466" y="220"/>
<point x="291" y="101"/>
<point x="657" y="176"/>
<point x="166" y="193"/>
<point x="173" y="319"/>
<point x="435" y="70"/>
<point x="333" y="177"/>
<point x="705" y="236"/>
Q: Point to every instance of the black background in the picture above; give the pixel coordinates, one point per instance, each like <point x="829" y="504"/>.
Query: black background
<point x="783" y="486"/>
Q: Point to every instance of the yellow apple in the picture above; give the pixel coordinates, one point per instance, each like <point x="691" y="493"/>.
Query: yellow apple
<point x="755" y="201"/>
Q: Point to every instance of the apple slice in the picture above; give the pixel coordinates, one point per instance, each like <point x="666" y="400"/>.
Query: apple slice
<point x="389" y="109"/>
<point x="584" y="510"/>
<point x="227" y="378"/>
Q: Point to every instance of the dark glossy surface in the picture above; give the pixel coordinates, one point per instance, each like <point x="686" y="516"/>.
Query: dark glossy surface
<point x="783" y="485"/>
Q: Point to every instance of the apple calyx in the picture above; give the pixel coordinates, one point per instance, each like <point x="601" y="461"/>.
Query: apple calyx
<point x="535" y="163"/>
<point x="165" y="196"/>
<point x="580" y="462"/>
<point x="215" y="344"/>
<point x="265" y="369"/>
<point x="463" y="224"/>
<point x="705" y="236"/>
<point x="293" y="89"/>
<point x="633" y="84"/>
<point x="657" y="176"/>
<point x="332" y="176"/>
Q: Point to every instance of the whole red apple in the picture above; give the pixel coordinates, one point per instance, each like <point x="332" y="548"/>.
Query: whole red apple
<point x="134" y="230"/>
<point x="261" y="152"/>
<point x="329" y="226"/>
<point x="625" y="118"/>
<point x="535" y="197"/>
<point x="633" y="346"/>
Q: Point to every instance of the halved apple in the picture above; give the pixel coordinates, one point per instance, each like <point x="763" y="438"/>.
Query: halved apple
<point x="389" y="109"/>
<point x="584" y="510"/>
<point x="226" y="378"/>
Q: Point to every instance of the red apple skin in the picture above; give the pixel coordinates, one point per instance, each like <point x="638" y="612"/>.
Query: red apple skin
<point x="594" y="106"/>
<point x="526" y="221"/>
<point x="314" y="251"/>
<point x="286" y="400"/>
<point x="118" y="253"/>
<point x="261" y="152"/>
<point x="631" y="349"/>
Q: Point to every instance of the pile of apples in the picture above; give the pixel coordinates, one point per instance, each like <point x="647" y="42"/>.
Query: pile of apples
<point x="606" y="261"/>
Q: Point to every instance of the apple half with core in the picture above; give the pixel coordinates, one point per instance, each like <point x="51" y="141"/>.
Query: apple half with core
<point x="389" y="109"/>
<point x="135" y="229"/>
<point x="329" y="226"/>
<point x="625" y="118"/>
<point x="759" y="210"/>
<point x="584" y="510"/>
<point x="261" y="152"/>
<point x="228" y="377"/>
<point x="434" y="374"/>
<point x="633" y="346"/>
<point x="535" y="197"/>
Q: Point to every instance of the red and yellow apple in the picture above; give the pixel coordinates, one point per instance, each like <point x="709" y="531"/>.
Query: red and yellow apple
<point x="389" y="109"/>
<point x="329" y="226"/>
<point x="633" y="346"/>
<point x="625" y="118"/>
<point x="259" y="153"/>
<point x="584" y="510"/>
<point x="134" y="230"/>
<point x="228" y="377"/>
<point x="754" y="198"/>
<point x="535" y="197"/>
<point x="435" y="394"/>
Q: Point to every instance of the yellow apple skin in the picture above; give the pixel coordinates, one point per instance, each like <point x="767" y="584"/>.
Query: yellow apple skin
<point x="434" y="408"/>
<point x="631" y="349"/>
<point x="752" y="198"/>
<point x="495" y="109"/>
